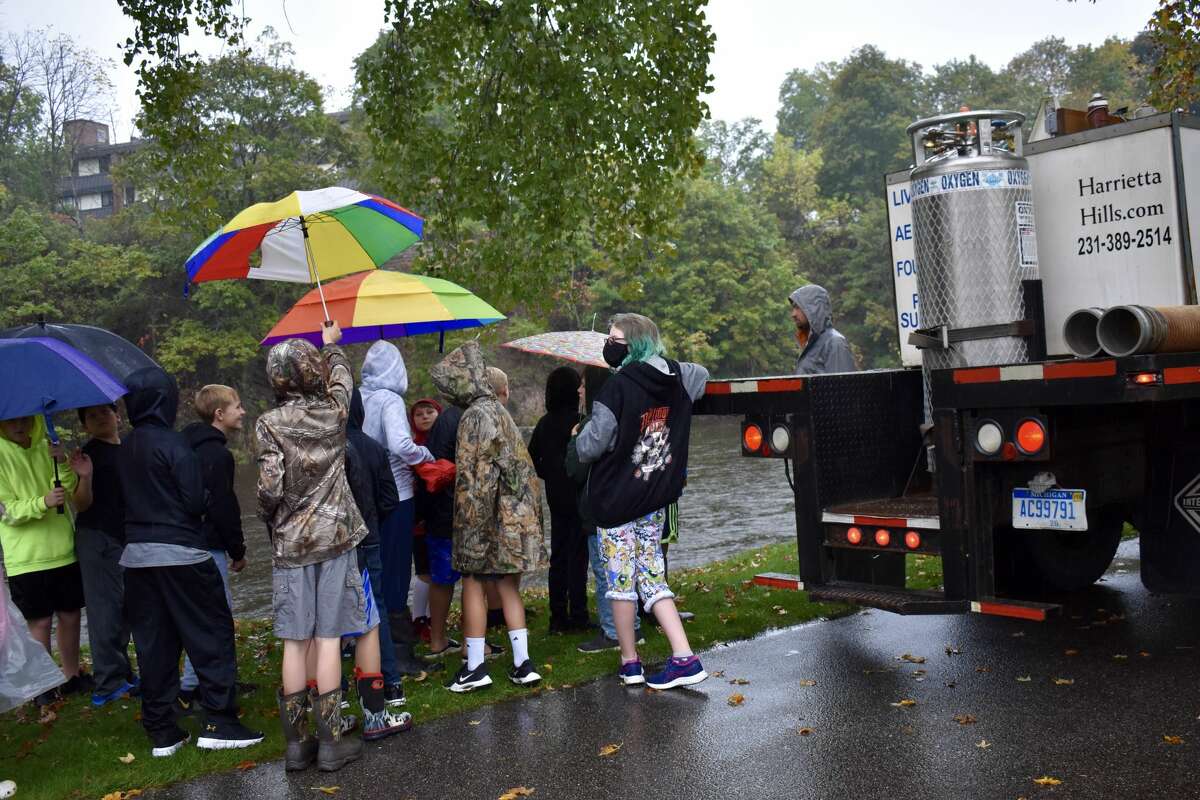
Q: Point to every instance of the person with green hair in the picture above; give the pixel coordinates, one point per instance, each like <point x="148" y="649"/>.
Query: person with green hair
<point x="637" y="443"/>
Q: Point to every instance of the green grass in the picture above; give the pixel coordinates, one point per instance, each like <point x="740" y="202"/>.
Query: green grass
<point x="77" y="754"/>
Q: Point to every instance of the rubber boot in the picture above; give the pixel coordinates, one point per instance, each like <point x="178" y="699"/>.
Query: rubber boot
<point x="335" y="750"/>
<point x="297" y="731"/>
<point x="404" y="642"/>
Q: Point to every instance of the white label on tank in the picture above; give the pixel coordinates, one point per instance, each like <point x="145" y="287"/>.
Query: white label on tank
<point x="970" y="180"/>
<point x="903" y="267"/>
<point x="1026" y="234"/>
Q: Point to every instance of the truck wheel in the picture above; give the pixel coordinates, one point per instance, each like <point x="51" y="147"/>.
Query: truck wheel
<point x="1069" y="561"/>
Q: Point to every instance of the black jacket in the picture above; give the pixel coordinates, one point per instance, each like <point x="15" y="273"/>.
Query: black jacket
<point x="548" y="449"/>
<point x="645" y="470"/>
<point x="442" y="441"/>
<point x="161" y="479"/>
<point x="222" y="526"/>
<point x="369" y="474"/>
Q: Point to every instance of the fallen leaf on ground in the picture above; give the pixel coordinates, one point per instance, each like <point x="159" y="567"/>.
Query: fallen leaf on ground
<point x="610" y="749"/>
<point x="807" y="682"/>
<point x="739" y="682"/>
<point x="1063" y="681"/>
<point x="327" y="789"/>
<point x="126" y="795"/>
<point x="518" y="791"/>
<point x="548" y="667"/>
<point x="805" y="731"/>
<point x="953" y="651"/>
<point x="719" y="673"/>
<point x="983" y="744"/>
<point x="965" y="719"/>
<point x="1172" y="739"/>
<point x="910" y="658"/>
<point x="127" y="758"/>
<point x="919" y="672"/>
<point x="1024" y="678"/>
<point x="420" y="677"/>
<point x="245" y="765"/>
<point x="905" y="703"/>
<point x="1071" y="652"/>
<point x="736" y="699"/>
<point x="983" y="669"/>
<point x="1046" y="780"/>
<point x="48" y="716"/>
<point x="475" y="722"/>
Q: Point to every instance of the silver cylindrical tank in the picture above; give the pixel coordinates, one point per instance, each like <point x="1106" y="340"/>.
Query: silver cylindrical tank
<point x="973" y="231"/>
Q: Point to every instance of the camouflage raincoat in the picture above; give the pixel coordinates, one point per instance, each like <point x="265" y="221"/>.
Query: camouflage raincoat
<point x="497" y="500"/>
<point x="303" y="495"/>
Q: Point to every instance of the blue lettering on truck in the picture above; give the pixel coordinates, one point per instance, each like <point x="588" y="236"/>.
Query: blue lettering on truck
<point x="904" y="231"/>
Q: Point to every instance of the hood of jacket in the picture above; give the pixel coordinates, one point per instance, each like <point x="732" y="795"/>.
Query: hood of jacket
<point x="653" y="381"/>
<point x="813" y="300"/>
<point x="296" y="370"/>
<point x="562" y="390"/>
<point x="383" y="368"/>
<point x="199" y="433"/>
<point x="462" y="375"/>
<point x="153" y="398"/>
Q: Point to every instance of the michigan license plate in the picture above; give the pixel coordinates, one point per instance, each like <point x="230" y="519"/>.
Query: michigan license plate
<point x="1054" y="509"/>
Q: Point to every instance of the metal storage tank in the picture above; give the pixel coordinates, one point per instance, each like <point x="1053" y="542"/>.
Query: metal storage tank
<point x="973" y="231"/>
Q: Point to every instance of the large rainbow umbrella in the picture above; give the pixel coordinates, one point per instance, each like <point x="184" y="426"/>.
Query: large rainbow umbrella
<point x="307" y="237"/>
<point x="383" y="305"/>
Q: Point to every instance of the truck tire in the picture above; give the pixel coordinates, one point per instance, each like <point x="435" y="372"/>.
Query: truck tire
<point x="1067" y="562"/>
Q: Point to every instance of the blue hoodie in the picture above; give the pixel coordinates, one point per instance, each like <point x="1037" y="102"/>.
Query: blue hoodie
<point x="384" y="382"/>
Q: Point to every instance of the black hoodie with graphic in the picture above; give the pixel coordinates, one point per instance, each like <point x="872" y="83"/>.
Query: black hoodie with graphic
<point x="161" y="478"/>
<point x="222" y="525"/>
<point x="644" y="470"/>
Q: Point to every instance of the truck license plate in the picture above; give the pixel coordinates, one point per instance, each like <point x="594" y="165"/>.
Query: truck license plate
<point x="1054" y="509"/>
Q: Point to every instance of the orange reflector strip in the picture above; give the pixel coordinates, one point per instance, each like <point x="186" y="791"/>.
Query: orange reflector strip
<point x="718" y="388"/>
<point x="779" y="580"/>
<point x="1004" y="610"/>
<point x="881" y="522"/>
<point x="1181" y="375"/>
<point x="781" y="385"/>
<point x="1080" y="369"/>
<point x="981" y="375"/>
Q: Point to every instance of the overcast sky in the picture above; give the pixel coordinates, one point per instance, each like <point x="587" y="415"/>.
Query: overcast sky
<point x="758" y="41"/>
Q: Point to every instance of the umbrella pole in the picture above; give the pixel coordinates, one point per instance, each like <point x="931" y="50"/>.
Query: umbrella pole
<point x="312" y="268"/>
<point x="52" y="434"/>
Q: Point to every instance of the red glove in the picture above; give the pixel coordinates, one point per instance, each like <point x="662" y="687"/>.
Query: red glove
<point x="438" y="475"/>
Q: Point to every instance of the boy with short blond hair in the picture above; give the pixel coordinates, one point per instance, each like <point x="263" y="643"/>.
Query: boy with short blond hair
<point x="221" y="414"/>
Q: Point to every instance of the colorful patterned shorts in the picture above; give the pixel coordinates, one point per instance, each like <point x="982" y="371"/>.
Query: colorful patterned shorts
<point x="633" y="553"/>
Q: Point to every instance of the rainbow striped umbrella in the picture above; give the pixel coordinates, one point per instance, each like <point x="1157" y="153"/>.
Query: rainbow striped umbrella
<point x="382" y="305"/>
<point x="307" y="237"/>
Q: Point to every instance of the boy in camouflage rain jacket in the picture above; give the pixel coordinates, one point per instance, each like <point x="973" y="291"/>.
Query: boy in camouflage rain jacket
<point x="497" y="514"/>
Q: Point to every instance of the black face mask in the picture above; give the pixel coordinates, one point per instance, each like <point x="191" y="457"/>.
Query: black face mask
<point x="615" y="353"/>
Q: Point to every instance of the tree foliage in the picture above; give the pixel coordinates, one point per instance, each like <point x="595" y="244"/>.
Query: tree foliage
<point x="1175" y="36"/>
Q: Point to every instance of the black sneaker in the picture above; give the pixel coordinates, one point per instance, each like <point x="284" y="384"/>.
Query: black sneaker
<point x="393" y="695"/>
<point x="452" y="646"/>
<point x="78" y="684"/>
<point x="185" y="702"/>
<point x="468" y="680"/>
<point x="524" y="675"/>
<point x="492" y="651"/>
<point x="227" y="736"/>
<point x="168" y="743"/>
<point x="599" y="644"/>
<point x="48" y="697"/>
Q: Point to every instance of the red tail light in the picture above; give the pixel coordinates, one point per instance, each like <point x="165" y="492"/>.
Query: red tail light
<point x="1031" y="437"/>
<point x="912" y="540"/>
<point x="882" y="537"/>
<point x="752" y="438"/>
<point x="854" y="536"/>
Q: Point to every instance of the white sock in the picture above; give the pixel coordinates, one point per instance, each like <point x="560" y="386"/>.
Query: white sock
<point x="420" y="598"/>
<point x="474" y="652"/>
<point x="520" y="645"/>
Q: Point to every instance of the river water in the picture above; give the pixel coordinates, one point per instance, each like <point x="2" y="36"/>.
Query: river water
<point x="731" y="504"/>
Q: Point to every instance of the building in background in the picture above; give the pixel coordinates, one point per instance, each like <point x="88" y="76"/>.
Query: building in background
<point x="89" y="191"/>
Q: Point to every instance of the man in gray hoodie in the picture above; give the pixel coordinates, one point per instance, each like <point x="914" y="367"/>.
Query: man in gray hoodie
<point x="822" y="348"/>
<point x="384" y="383"/>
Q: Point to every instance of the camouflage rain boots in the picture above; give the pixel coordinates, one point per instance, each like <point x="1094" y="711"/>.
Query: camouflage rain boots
<point x="297" y="731"/>
<point x="336" y="749"/>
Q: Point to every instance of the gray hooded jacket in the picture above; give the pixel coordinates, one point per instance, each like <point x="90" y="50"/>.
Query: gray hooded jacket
<point x="827" y="350"/>
<point x="384" y="382"/>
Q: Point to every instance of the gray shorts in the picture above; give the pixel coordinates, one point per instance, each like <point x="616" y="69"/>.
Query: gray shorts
<point x="320" y="601"/>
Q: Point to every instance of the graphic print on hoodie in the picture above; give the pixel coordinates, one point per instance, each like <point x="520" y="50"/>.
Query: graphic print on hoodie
<point x="653" y="449"/>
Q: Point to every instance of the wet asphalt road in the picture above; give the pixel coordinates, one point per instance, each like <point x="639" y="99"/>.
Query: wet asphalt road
<point x="1101" y="735"/>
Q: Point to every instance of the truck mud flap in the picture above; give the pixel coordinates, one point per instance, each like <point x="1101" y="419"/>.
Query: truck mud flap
<point x="899" y="602"/>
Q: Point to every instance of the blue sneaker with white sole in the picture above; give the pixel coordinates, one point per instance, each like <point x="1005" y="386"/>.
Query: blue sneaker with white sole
<point x="678" y="672"/>
<point x="631" y="674"/>
<point x="129" y="688"/>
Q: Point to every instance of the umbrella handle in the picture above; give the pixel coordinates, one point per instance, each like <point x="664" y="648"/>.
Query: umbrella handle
<point x="53" y="434"/>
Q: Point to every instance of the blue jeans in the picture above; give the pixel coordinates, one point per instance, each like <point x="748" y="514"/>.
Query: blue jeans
<point x="190" y="681"/>
<point x="395" y="549"/>
<point x="600" y="574"/>
<point x="369" y="559"/>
